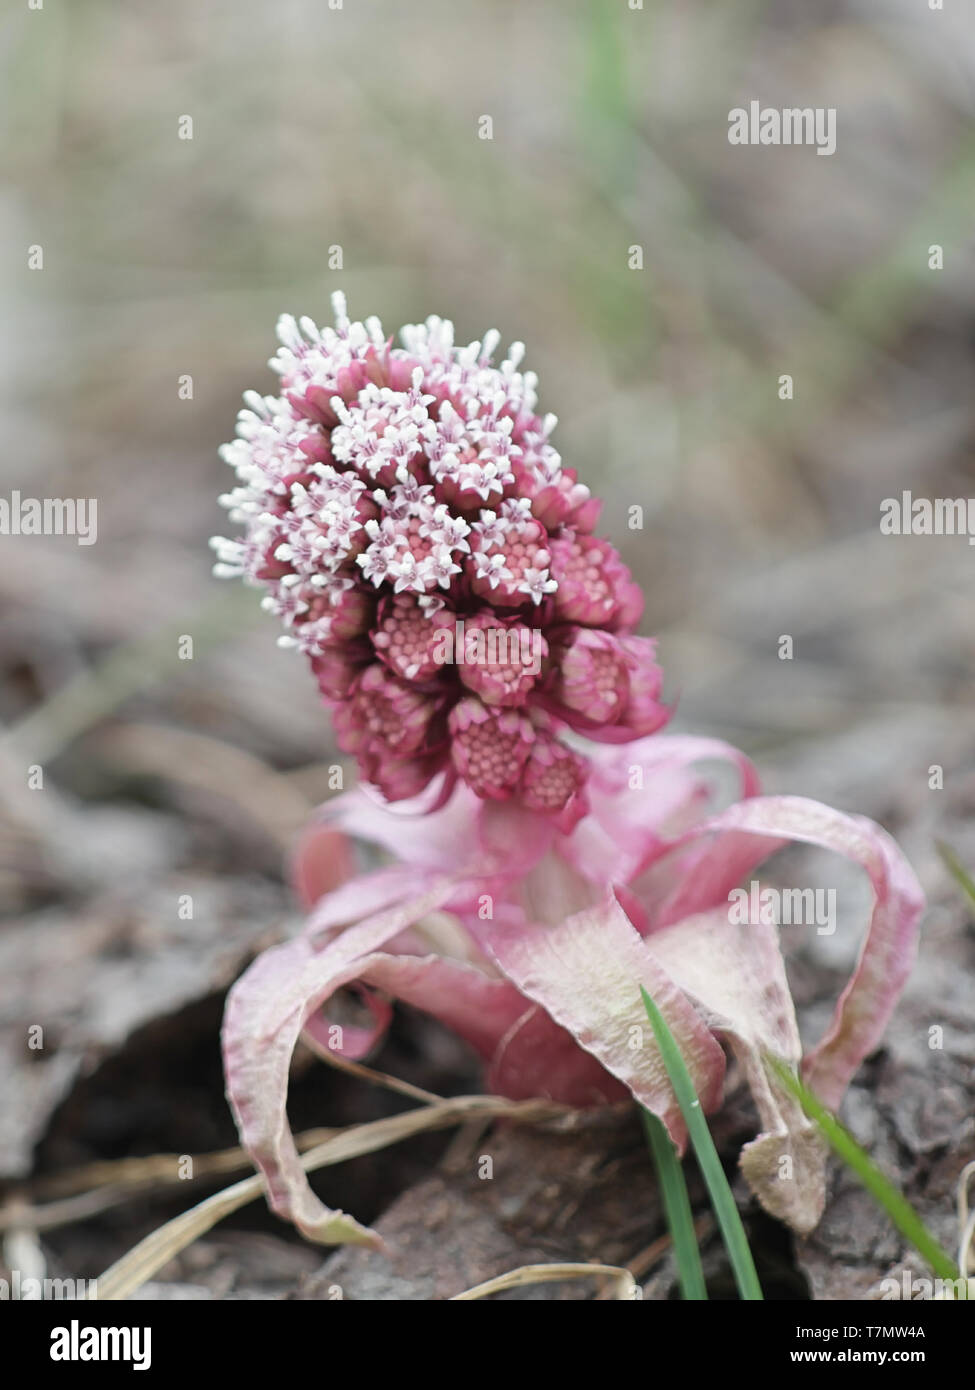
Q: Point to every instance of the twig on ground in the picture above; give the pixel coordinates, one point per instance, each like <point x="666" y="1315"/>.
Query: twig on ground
<point x="623" y="1284"/>
<point x="161" y="1245"/>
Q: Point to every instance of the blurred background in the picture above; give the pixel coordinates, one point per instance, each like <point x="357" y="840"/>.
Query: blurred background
<point x="357" y="127"/>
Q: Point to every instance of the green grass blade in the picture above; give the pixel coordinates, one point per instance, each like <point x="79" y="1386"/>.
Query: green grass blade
<point x="883" y="1191"/>
<point x="722" y="1201"/>
<point x="677" y="1205"/>
<point x="958" y="871"/>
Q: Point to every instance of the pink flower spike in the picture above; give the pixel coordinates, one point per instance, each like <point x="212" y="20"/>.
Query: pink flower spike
<point x="389" y="493"/>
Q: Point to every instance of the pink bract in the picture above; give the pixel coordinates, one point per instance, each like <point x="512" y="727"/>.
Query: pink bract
<point x="553" y="930"/>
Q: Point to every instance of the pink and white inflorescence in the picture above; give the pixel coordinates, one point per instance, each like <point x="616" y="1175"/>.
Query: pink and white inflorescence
<point x="400" y="502"/>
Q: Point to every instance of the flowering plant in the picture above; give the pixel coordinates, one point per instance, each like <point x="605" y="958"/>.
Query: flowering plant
<point x="549" y="851"/>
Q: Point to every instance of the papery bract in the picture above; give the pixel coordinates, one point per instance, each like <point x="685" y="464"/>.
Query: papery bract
<point x="545" y="985"/>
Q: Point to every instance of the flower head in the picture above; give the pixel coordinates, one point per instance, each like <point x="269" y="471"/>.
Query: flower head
<point x="390" y="496"/>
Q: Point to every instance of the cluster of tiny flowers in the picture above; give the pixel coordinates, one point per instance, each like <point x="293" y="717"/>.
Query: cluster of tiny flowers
<point x="417" y="535"/>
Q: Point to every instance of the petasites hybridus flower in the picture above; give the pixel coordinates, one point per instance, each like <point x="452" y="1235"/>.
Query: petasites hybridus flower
<point x="531" y="941"/>
<point x="416" y="533"/>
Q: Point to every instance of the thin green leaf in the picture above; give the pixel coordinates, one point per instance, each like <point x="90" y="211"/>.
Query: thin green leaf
<point x="677" y="1205"/>
<point x="958" y="871"/>
<point x="883" y="1191"/>
<point x="732" y="1231"/>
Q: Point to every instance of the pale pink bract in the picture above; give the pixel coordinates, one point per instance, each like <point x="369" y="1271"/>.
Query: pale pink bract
<point x="552" y="935"/>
